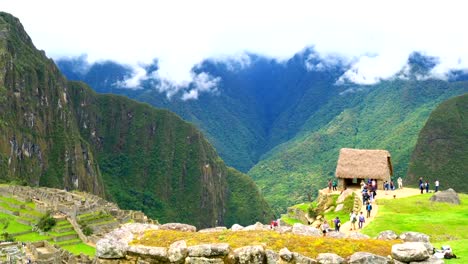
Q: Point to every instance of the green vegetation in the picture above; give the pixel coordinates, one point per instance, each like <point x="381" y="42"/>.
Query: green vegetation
<point x="81" y="248"/>
<point x="46" y="223"/>
<point x="306" y="245"/>
<point x="441" y="149"/>
<point x="444" y="223"/>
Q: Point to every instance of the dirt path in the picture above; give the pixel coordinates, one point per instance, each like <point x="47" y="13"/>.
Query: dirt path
<point x="399" y="193"/>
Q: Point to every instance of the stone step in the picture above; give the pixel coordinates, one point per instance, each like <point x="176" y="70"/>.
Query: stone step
<point x="64" y="229"/>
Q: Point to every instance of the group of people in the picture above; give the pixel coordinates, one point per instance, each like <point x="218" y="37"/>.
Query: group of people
<point x="424" y="185"/>
<point x="332" y="185"/>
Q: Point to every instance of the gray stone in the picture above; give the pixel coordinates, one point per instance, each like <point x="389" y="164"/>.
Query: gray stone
<point x="111" y="249"/>
<point x="414" y="237"/>
<point x="178" y="227"/>
<point x="398" y="262"/>
<point x="300" y="229"/>
<point x="329" y="258"/>
<point x="343" y="195"/>
<point x="247" y="255"/>
<point x="429" y="248"/>
<point x="256" y="227"/>
<point x="430" y="260"/>
<point x="367" y="258"/>
<point x="447" y="196"/>
<point x="387" y="235"/>
<point x="271" y="257"/>
<point x="158" y="253"/>
<point x="335" y="234"/>
<point x="410" y="251"/>
<point x="339" y="207"/>
<point x="202" y="260"/>
<point x="301" y="259"/>
<point x="236" y="227"/>
<point x="177" y="251"/>
<point x="209" y="250"/>
<point x="213" y="229"/>
<point x="357" y="235"/>
<point x="283" y="229"/>
<point x="285" y="254"/>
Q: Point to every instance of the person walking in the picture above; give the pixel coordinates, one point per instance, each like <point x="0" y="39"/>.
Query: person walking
<point x="427" y="186"/>
<point x="400" y="183"/>
<point x="337" y="223"/>
<point x="335" y="184"/>
<point x="436" y="185"/>
<point x="352" y="219"/>
<point x="362" y="219"/>
<point x="325" y="227"/>
<point x="421" y="187"/>
<point x="329" y="185"/>
<point x="368" y="209"/>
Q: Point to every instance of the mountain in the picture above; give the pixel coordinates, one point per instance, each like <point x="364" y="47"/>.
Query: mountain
<point x="60" y="133"/>
<point x="441" y="149"/>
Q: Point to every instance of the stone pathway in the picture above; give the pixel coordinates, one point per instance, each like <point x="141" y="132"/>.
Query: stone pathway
<point x="399" y="193"/>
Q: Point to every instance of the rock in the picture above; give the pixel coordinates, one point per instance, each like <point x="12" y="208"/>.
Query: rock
<point x="209" y="250"/>
<point x="236" y="227"/>
<point x="283" y="229"/>
<point x="335" y="234"/>
<point x="158" y="253"/>
<point x="128" y="232"/>
<point x="316" y="224"/>
<point x="300" y="229"/>
<point x="357" y="235"/>
<point x="430" y="260"/>
<point x="301" y="259"/>
<point x="447" y="196"/>
<point x="247" y="255"/>
<point x="213" y="229"/>
<point x="367" y="258"/>
<point x="329" y="258"/>
<point x="271" y="257"/>
<point x="111" y="249"/>
<point x="429" y="248"/>
<point x="285" y="254"/>
<point x="339" y="207"/>
<point x="387" y="235"/>
<point x="202" y="260"/>
<point x="177" y="252"/>
<point x="178" y="227"/>
<point x="343" y="195"/>
<point x="410" y="251"/>
<point x="256" y="227"/>
<point x="414" y="237"/>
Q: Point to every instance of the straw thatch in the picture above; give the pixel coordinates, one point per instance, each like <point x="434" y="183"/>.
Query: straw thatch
<point x="364" y="163"/>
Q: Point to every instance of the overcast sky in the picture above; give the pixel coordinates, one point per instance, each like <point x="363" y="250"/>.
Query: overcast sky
<point x="183" y="33"/>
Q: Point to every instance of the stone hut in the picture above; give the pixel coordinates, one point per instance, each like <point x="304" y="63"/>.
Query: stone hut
<point x="355" y="165"/>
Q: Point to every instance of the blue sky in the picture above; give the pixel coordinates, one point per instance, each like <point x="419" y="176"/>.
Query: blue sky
<point x="377" y="35"/>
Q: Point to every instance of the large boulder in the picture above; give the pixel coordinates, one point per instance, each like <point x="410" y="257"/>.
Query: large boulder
<point x="448" y="196"/>
<point x="339" y="207"/>
<point x="256" y="227"/>
<point x="367" y="258"/>
<point x="157" y="253"/>
<point x="300" y="229"/>
<point x="203" y="260"/>
<point x="178" y="227"/>
<point x="430" y="260"/>
<point x="209" y="250"/>
<point x="329" y="258"/>
<point x="301" y="259"/>
<point x="387" y="235"/>
<point x="357" y="235"/>
<point x="343" y="195"/>
<point x="111" y="248"/>
<point x="247" y="255"/>
<point x="414" y="237"/>
<point x="283" y="229"/>
<point x="410" y="251"/>
<point x="271" y="257"/>
<point x="285" y="254"/>
<point x="236" y="227"/>
<point x="177" y="252"/>
<point x="335" y="234"/>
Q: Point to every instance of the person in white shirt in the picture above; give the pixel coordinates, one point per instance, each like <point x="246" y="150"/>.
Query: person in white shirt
<point x="400" y="183"/>
<point x="436" y="185"/>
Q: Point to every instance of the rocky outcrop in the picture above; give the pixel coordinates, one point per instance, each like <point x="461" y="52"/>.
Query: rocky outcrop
<point x="365" y="258"/>
<point x="111" y="249"/>
<point x="236" y="227"/>
<point x="301" y="259"/>
<point x="448" y="196"/>
<point x="387" y="235"/>
<point x="356" y="235"/>
<point x="414" y="237"/>
<point x="247" y="255"/>
<point x="335" y="234"/>
<point x="213" y="229"/>
<point x="209" y="250"/>
<point x="300" y="229"/>
<point x="271" y="257"/>
<point x="329" y="258"/>
<point x="410" y="252"/>
<point x="256" y="227"/>
<point x="177" y="252"/>
<point x="178" y="227"/>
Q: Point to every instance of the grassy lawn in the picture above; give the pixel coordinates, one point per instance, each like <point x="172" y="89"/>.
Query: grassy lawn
<point x="81" y="248"/>
<point x="31" y="237"/>
<point x="445" y="223"/>
<point x="306" y="245"/>
<point x="11" y="225"/>
<point x="343" y="214"/>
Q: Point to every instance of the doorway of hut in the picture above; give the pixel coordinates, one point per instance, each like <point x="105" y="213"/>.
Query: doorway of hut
<point x="354" y="183"/>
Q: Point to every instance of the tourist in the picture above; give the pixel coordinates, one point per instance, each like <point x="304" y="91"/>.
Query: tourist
<point x="421" y="187"/>
<point x="337" y="223"/>
<point x="427" y="186"/>
<point x="392" y="186"/>
<point x="352" y="219"/>
<point x="335" y="184"/>
<point x="420" y="181"/>
<point x="362" y="219"/>
<point x="368" y="209"/>
<point x="325" y="227"/>
<point x="436" y="185"/>
<point x="329" y="185"/>
<point x="400" y="183"/>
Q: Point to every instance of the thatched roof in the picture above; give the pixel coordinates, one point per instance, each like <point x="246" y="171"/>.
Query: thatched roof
<point x="364" y="163"/>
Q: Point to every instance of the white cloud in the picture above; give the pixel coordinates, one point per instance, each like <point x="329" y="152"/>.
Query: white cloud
<point x="183" y="33"/>
<point x="202" y="82"/>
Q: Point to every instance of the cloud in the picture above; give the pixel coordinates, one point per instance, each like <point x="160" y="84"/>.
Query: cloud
<point x="202" y="83"/>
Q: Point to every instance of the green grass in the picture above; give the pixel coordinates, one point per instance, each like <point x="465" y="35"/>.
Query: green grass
<point x="81" y="248"/>
<point x="305" y="206"/>
<point x="32" y="237"/>
<point x="342" y="214"/>
<point x="290" y="221"/>
<point x="460" y="249"/>
<point x="445" y="223"/>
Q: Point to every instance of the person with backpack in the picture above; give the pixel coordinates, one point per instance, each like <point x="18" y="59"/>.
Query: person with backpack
<point x="368" y="209"/>
<point x="335" y="184"/>
<point x="352" y="219"/>
<point x="362" y="219"/>
<point x="337" y="223"/>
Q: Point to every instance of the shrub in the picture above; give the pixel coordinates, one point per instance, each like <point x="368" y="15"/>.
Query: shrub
<point x="7" y="237"/>
<point x="46" y="223"/>
<point x="87" y="231"/>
